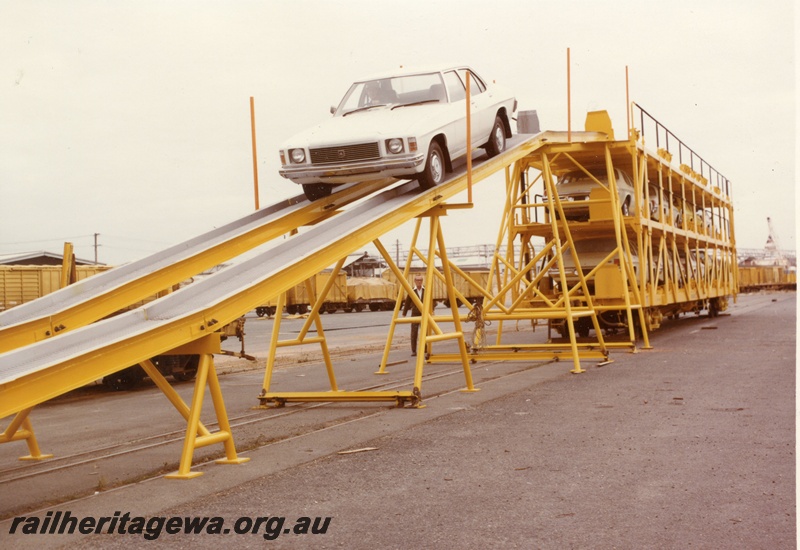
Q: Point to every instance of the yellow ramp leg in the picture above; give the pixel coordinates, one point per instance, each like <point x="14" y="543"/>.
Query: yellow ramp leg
<point x="14" y="433"/>
<point x="206" y="375"/>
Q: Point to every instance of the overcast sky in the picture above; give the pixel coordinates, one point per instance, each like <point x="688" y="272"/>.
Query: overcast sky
<point x="131" y="119"/>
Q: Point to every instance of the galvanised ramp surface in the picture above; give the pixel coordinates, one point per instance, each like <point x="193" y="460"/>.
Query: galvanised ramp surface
<point x="38" y="372"/>
<point x="106" y="293"/>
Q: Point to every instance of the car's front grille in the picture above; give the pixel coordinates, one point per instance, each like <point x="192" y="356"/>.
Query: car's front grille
<point x="345" y="153"/>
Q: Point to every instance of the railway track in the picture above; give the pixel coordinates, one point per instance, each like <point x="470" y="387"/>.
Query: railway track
<point x="248" y="429"/>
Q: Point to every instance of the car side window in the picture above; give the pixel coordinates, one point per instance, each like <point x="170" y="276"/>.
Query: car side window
<point x="476" y="85"/>
<point x="454" y="86"/>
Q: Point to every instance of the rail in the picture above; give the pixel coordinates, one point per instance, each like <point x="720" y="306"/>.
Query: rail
<point x="97" y="297"/>
<point x="649" y="125"/>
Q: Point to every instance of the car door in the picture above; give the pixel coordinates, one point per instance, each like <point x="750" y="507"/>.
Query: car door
<point x="482" y="107"/>
<point x="457" y="115"/>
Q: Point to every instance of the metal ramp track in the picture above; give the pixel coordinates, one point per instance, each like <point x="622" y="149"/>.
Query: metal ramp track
<point x="106" y="293"/>
<point x="46" y="369"/>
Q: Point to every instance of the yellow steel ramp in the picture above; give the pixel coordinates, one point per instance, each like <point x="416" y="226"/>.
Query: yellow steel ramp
<point x="97" y="297"/>
<point x="45" y="369"/>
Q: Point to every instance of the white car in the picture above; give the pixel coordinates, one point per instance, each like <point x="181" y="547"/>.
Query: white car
<point x="576" y="186"/>
<point x="404" y="124"/>
<point x="591" y="253"/>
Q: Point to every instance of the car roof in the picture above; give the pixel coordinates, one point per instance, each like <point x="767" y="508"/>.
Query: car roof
<point x="407" y="71"/>
<point x="599" y="172"/>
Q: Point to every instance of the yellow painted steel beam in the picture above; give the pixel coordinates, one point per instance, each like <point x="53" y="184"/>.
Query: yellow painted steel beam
<point x="335" y="396"/>
<point x="122" y="296"/>
<point x="522" y="355"/>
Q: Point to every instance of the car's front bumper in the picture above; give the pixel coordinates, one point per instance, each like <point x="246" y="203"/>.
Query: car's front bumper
<point x="353" y="171"/>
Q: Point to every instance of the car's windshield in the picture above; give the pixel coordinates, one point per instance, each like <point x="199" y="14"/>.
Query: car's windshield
<point x="399" y="90"/>
<point x="579" y="175"/>
<point x="600" y="175"/>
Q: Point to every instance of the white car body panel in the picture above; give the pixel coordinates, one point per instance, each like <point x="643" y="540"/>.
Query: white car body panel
<point x="376" y="124"/>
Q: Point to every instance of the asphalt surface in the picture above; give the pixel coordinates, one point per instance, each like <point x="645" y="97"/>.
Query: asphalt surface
<point x="689" y="445"/>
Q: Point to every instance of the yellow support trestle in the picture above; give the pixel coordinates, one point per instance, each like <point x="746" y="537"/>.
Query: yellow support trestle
<point x="14" y="433"/>
<point x="430" y="332"/>
<point x="196" y="434"/>
<point x="524" y="291"/>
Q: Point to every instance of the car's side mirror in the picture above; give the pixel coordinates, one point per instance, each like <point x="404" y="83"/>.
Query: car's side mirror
<point x="333" y="109"/>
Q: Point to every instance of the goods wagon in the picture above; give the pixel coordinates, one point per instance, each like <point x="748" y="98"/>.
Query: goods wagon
<point x="467" y="287"/>
<point x="24" y="283"/>
<point x="21" y="284"/>
<point x="753" y="278"/>
<point x="347" y="294"/>
<point x="375" y="293"/>
<point x="298" y="300"/>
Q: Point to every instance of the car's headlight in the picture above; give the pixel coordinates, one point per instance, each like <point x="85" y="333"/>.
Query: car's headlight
<point x="297" y="155"/>
<point x="394" y="146"/>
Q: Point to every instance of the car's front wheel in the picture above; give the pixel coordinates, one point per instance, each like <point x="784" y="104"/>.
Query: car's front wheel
<point x="434" y="171"/>
<point x="316" y="191"/>
<point x="497" y="139"/>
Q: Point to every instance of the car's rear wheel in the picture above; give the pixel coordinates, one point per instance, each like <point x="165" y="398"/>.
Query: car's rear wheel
<point x="497" y="139"/>
<point x="316" y="191"/>
<point x="626" y="207"/>
<point x="435" y="167"/>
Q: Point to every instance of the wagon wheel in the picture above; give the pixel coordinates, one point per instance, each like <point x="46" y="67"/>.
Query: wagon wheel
<point x="189" y="369"/>
<point x="124" y="380"/>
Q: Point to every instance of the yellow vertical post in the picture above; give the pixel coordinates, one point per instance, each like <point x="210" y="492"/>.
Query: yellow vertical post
<point x="427" y="303"/>
<point x="185" y="467"/>
<point x="622" y="245"/>
<point x="569" y="104"/>
<point x="273" y="346"/>
<point x="402" y="282"/>
<point x="627" y="103"/>
<point x="469" y="140"/>
<point x="553" y="203"/>
<point x="222" y="417"/>
<point x="503" y="275"/>
<point x="255" y="158"/>
<point x="206" y="376"/>
<point x="67" y="265"/>
<point x="451" y="297"/>
<point x="170" y="393"/>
